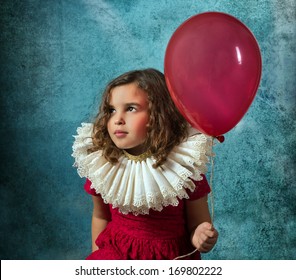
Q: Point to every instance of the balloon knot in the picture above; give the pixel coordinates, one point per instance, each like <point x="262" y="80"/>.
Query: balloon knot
<point x="220" y="138"/>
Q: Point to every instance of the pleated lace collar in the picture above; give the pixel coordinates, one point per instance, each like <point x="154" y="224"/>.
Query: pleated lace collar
<point x="133" y="185"/>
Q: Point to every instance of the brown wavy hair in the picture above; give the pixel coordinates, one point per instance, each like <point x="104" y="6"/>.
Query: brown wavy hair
<point x="166" y="128"/>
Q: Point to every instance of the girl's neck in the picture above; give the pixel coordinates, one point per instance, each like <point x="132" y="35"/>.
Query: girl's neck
<point x="137" y="158"/>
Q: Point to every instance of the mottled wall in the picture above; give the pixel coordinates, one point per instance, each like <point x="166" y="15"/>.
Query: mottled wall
<point x="57" y="55"/>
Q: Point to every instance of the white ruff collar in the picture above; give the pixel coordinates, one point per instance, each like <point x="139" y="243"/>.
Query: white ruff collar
<point x="135" y="186"/>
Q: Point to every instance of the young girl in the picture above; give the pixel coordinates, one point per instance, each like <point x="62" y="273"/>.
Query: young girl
<point x="145" y="171"/>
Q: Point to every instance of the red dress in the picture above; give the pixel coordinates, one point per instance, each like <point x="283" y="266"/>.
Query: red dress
<point x="161" y="235"/>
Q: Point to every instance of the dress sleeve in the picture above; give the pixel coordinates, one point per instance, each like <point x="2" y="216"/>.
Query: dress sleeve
<point x="201" y="190"/>
<point x="88" y="189"/>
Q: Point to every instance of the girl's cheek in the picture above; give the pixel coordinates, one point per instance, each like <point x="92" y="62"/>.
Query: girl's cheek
<point x="109" y="125"/>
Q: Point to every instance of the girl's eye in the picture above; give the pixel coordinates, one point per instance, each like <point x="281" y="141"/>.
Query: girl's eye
<point x="131" y="109"/>
<point x="111" y="110"/>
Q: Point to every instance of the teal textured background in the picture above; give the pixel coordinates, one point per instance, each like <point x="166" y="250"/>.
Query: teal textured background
<point x="55" y="59"/>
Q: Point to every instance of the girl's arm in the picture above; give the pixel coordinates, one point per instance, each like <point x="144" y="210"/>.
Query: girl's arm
<point x="202" y="233"/>
<point x="100" y="218"/>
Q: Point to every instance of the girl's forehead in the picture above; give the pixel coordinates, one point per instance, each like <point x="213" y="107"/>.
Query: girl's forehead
<point x="127" y="93"/>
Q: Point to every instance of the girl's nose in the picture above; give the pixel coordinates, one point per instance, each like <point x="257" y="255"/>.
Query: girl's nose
<point x="119" y="121"/>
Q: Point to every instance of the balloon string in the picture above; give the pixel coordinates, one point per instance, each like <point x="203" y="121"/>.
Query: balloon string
<point x="211" y="196"/>
<point x="211" y="181"/>
<point x="181" y="257"/>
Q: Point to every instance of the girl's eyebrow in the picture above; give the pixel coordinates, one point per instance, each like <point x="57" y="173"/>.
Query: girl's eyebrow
<point x="132" y="104"/>
<point x="127" y="104"/>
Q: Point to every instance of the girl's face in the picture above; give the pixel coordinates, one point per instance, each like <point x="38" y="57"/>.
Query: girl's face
<point x="129" y="117"/>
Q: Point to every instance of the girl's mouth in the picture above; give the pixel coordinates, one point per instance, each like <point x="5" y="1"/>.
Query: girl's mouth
<point x="120" y="133"/>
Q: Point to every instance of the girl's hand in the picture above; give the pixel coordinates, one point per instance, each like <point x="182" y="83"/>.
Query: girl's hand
<point x="204" y="237"/>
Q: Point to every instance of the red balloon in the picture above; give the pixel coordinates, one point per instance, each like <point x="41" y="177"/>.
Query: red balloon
<point x="213" y="70"/>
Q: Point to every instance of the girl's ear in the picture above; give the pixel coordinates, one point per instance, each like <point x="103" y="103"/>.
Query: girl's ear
<point x="148" y="123"/>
